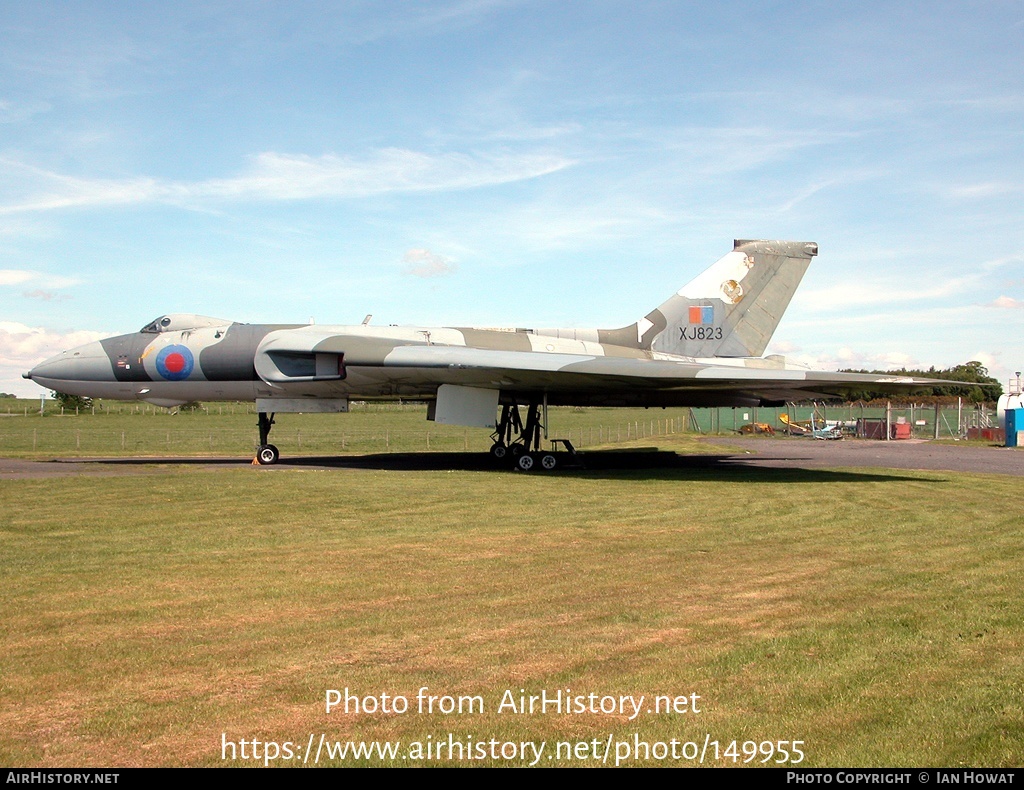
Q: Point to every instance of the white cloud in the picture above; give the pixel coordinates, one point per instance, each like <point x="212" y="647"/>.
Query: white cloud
<point x="586" y="220"/>
<point x="991" y="361"/>
<point x="292" y="177"/>
<point x="424" y="263"/>
<point x="275" y="176"/>
<point x="1007" y="302"/>
<point x="15" y="276"/>
<point x="850" y="359"/>
<point x="23" y="346"/>
<point x="728" y="150"/>
<point x="860" y="293"/>
<point x="23" y="276"/>
<point x="42" y="190"/>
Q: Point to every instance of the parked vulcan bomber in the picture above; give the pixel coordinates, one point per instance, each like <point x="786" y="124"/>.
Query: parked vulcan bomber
<point x="702" y="347"/>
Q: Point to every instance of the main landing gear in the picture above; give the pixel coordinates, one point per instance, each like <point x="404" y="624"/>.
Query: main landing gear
<point x="519" y="443"/>
<point x="266" y="453"/>
<point x="515" y="441"/>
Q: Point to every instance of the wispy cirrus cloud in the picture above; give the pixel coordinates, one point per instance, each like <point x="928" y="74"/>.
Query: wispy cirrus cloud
<point x="735" y="149"/>
<point x="430" y="19"/>
<point x="16" y="112"/>
<point x="979" y="191"/>
<point x="40" y="279"/>
<point x="274" y="176"/>
<point x="899" y="289"/>
<point x="878" y="292"/>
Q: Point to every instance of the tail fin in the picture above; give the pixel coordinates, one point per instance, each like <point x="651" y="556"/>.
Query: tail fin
<point x="731" y="310"/>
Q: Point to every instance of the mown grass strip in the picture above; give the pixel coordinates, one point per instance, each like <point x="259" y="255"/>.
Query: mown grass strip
<point x="873" y="614"/>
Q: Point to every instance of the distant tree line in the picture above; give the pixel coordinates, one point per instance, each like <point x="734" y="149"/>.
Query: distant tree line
<point x="978" y="386"/>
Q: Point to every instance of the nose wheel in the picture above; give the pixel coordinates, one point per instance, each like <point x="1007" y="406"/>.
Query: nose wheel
<point x="266" y="453"/>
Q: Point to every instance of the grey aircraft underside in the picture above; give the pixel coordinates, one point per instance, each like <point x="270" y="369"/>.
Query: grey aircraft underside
<point x="701" y="347"/>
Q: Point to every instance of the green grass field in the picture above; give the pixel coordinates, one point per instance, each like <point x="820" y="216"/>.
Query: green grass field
<point x="873" y="615"/>
<point x="119" y="429"/>
<point x="115" y="428"/>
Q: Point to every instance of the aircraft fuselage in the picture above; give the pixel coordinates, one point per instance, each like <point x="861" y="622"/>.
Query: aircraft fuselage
<point x="232" y="361"/>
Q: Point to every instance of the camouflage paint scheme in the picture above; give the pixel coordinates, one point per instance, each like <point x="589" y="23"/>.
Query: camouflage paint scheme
<point x="701" y="347"/>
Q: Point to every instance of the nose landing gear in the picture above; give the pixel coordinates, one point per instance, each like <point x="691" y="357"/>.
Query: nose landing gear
<point x="266" y="454"/>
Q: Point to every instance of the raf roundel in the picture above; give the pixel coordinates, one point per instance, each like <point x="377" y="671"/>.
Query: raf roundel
<point x="175" y="363"/>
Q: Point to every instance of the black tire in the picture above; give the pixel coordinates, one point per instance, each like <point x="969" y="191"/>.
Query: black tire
<point x="524" y="463"/>
<point x="548" y="461"/>
<point x="267" y="455"/>
<point x="499" y="451"/>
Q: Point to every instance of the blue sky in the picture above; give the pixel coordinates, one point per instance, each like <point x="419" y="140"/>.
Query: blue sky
<point x="512" y="164"/>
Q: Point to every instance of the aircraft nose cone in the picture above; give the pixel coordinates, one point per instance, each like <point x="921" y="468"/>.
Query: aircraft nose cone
<point x="85" y="363"/>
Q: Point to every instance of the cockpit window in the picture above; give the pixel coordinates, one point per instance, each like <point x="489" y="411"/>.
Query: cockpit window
<point x="157" y="326"/>
<point x="181" y="321"/>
